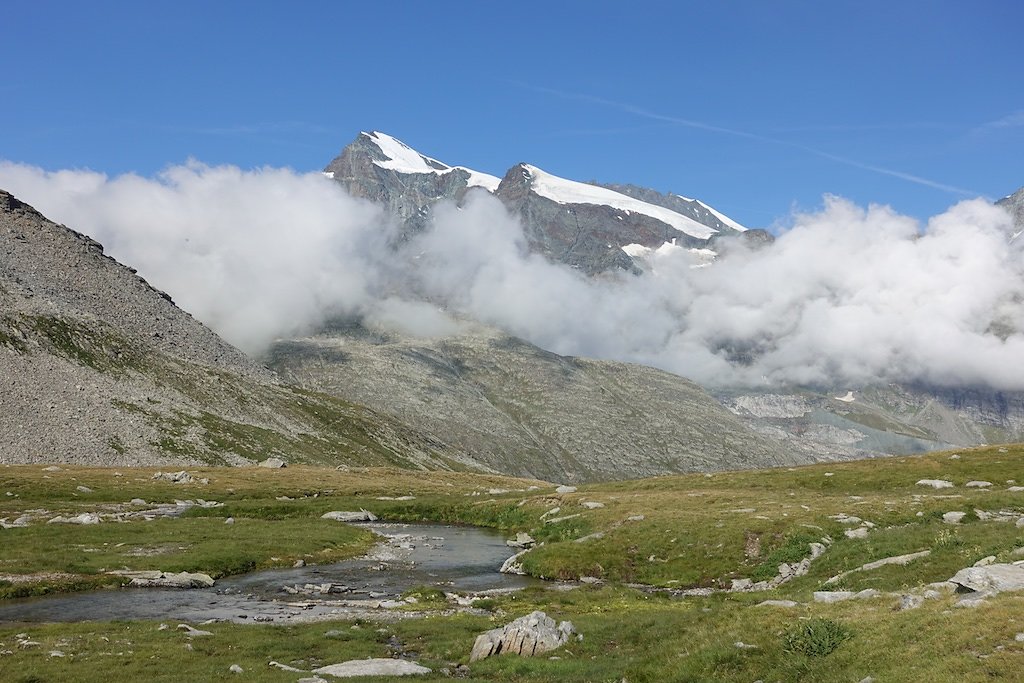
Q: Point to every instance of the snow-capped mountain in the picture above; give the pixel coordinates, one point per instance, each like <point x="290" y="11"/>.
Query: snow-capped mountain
<point x="591" y="227"/>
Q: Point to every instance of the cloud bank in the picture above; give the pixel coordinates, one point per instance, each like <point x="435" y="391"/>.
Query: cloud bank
<point x="844" y="297"/>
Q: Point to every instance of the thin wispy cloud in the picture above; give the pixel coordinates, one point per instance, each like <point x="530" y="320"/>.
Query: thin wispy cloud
<point x="701" y="125"/>
<point x="1012" y="120"/>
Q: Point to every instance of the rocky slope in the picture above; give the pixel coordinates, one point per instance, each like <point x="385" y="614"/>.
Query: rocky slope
<point x="524" y="411"/>
<point x="98" y="367"/>
<point x="1014" y="203"/>
<point x="584" y="225"/>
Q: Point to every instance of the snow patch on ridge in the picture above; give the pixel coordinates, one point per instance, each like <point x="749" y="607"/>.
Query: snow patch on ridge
<point x="571" y="192"/>
<point x="404" y="159"/>
<point x="722" y="217"/>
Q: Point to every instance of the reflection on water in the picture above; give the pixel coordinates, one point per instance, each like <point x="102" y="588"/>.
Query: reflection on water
<point x="457" y="559"/>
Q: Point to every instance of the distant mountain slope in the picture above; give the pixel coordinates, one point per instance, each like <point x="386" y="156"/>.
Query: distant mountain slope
<point x="525" y="411"/>
<point x="98" y="367"/>
<point x="1014" y="203"/>
<point x="584" y="225"/>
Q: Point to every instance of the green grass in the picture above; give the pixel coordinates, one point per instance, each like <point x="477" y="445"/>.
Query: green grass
<point x="686" y="531"/>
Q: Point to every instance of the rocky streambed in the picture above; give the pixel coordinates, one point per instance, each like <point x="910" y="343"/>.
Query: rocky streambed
<point x="462" y="561"/>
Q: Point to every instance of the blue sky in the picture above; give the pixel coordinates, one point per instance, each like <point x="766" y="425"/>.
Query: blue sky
<point x="754" y="107"/>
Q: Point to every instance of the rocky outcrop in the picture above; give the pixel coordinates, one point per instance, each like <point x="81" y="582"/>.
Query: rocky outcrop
<point x="524" y="411"/>
<point x="534" y="634"/>
<point x="990" y="579"/>
<point x="158" y="579"/>
<point x="586" y="236"/>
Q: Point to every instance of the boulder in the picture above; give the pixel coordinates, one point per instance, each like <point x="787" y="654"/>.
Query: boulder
<point x="978" y="484"/>
<point x="372" y="667"/>
<point x="343" y="516"/>
<point x="778" y="603"/>
<point x="936" y="483"/>
<point x="522" y="540"/>
<point x="990" y="579"/>
<point x="953" y="517"/>
<point x="565" y="489"/>
<point x="273" y="463"/>
<point x="182" y="477"/>
<point x="84" y="518"/>
<point x="533" y="634"/>
<point x="158" y="579"/>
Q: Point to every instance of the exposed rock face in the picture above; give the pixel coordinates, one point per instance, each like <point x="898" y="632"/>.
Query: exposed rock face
<point x="1014" y="203"/>
<point x="533" y="634"/>
<point x="524" y="411"/>
<point x="97" y="367"/>
<point x="587" y="236"/>
<point x="842" y="424"/>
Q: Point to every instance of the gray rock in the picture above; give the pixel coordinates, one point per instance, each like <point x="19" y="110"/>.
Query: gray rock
<point x="910" y="602"/>
<point x="985" y="561"/>
<point x="83" y="489"/>
<point x="592" y="505"/>
<point x="994" y="578"/>
<point x="84" y="518"/>
<point x="159" y="579"/>
<point x="343" y="516"/>
<point x="936" y="483"/>
<point x="859" y="532"/>
<point x="954" y="517"/>
<point x="833" y="596"/>
<point x="235" y="669"/>
<point x="778" y="603"/>
<point x="565" y="489"/>
<point x="193" y="632"/>
<point x="514" y="565"/>
<point x="978" y="484"/>
<point x="273" y="463"/>
<point x="372" y="667"/>
<point x="522" y="540"/>
<point x="534" y="634"/>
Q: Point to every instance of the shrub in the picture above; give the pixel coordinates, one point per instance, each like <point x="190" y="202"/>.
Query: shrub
<point x="815" y="638"/>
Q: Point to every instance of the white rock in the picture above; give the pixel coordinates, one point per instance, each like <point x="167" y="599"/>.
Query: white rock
<point x="158" y="579"/>
<point x="978" y="484"/>
<point x="343" y="516"/>
<point x="833" y="596"/>
<point x="953" y="517"/>
<point x="985" y="561"/>
<point x="84" y="518"/>
<point x="83" y="489"/>
<point x="1019" y="637"/>
<point x="778" y="603"/>
<point x="859" y="532"/>
<point x="994" y="578"/>
<point x="565" y="489"/>
<point x="910" y="602"/>
<point x="235" y="669"/>
<point x="592" y="504"/>
<point x="273" y="463"/>
<point x="513" y="565"/>
<point x="373" y="667"/>
<point x="193" y="632"/>
<point x="936" y="483"/>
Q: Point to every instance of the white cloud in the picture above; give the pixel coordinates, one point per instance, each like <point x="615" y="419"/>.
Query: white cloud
<point x="846" y="296"/>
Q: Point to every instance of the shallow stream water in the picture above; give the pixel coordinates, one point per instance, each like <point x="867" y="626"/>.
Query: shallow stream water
<point x="454" y="559"/>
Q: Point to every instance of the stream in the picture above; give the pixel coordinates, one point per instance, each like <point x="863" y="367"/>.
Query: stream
<point x="454" y="559"/>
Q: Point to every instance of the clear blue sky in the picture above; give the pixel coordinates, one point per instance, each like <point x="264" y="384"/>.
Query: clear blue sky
<point x="754" y="107"/>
